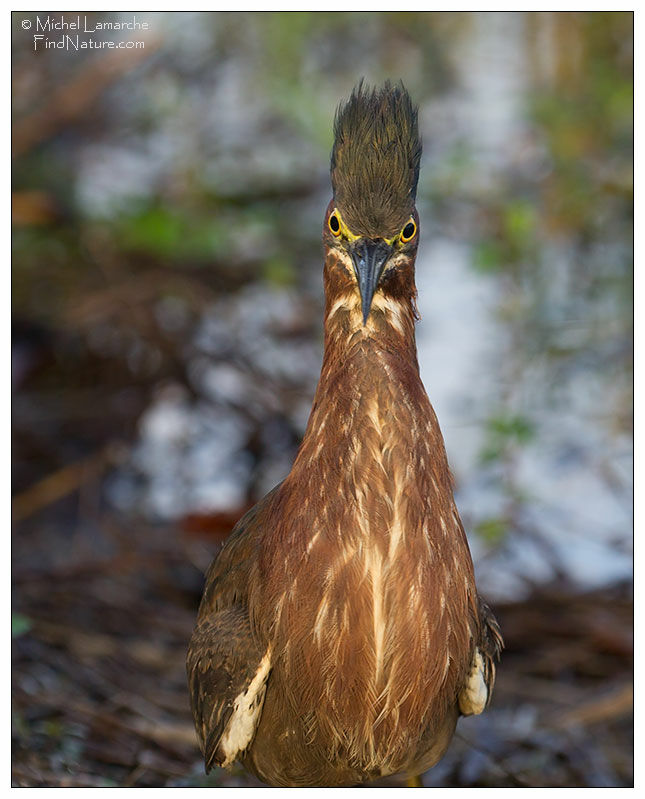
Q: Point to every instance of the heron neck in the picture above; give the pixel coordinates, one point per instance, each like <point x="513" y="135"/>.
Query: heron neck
<point x="368" y="370"/>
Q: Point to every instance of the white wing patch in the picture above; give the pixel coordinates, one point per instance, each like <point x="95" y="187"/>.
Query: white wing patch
<point x="247" y="707"/>
<point x="474" y="695"/>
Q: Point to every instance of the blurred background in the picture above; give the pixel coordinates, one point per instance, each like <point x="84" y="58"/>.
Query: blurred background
<point x="167" y="308"/>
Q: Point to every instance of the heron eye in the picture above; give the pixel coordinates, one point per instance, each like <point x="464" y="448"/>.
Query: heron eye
<point x="334" y="224"/>
<point x="409" y="231"/>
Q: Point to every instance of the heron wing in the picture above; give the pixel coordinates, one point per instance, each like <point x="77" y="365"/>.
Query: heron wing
<point x="227" y="665"/>
<point x="477" y="691"/>
<point x="227" y="674"/>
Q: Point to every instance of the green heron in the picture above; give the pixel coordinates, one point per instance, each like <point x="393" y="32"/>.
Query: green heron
<point x="341" y="634"/>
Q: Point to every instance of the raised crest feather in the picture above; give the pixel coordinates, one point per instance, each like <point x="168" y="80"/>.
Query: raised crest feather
<point x="376" y="158"/>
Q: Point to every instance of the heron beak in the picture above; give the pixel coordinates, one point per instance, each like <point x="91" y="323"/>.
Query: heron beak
<point x="369" y="257"/>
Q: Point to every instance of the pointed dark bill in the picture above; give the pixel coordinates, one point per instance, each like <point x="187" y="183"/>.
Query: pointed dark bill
<point x="369" y="259"/>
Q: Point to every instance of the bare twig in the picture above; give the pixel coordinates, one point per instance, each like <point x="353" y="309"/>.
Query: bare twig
<point x="615" y="705"/>
<point x="58" y="485"/>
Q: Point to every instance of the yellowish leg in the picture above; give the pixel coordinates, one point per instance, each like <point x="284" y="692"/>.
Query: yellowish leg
<point x="414" y="782"/>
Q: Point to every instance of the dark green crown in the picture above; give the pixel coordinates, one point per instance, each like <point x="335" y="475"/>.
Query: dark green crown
<point x="375" y="159"/>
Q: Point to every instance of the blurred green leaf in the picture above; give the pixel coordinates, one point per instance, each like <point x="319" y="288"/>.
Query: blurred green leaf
<point x="279" y="271"/>
<point x="511" y="427"/>
<point x="19" y="725"/>
<point x="173" y="233"/>
<point x="19" y="625"/>
<point x="492" y="530"/>
<point x="491" y="453"/>
<point x="487" y="257"/>
<point x="502" y="432"/>
<point x="53" y="728"/>
<point x="519" y="222"/>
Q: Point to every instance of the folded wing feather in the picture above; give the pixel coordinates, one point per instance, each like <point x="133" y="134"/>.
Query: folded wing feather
<point x="227" y="675"/>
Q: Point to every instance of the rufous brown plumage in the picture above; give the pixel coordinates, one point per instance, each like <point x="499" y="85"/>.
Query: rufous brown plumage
<point x="340" y="634"/>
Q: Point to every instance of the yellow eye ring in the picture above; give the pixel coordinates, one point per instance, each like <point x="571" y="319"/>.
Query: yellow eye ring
<point x="409" y="231"/>
<point x="334" y="224"/>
